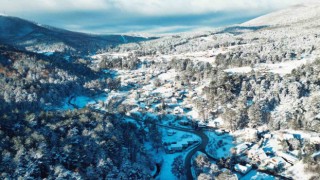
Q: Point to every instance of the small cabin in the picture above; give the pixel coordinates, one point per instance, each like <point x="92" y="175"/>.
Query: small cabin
<point x="243" y="169"/>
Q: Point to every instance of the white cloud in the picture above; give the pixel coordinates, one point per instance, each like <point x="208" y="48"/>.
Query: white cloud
<point x="24" y="6"/>
<point x="145" y="7"/>
<point x="157" y="16"/>
<point x="183" y="7"/>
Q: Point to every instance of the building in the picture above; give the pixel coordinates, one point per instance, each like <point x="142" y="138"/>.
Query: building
<point x="257" y="156"/>
<point x="243" y="169"/>
<point x="176" y="147"/>
<point x="276" y="163"/>
<point x="178" y="110"/>
<point x="287" y="157"/>
<point x="170" y="132"/>
<point x="241" y="148"/>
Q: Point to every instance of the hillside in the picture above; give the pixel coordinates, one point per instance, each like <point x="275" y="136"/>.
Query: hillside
<point x="296" y="14"/>
<point x="41" y="38"/>
<point x="245" y="96"/>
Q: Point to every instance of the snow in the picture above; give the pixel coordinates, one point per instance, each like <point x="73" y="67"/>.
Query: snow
<point x="194" y="113"/>
<point x="166" y="92"/>
<point x="179" y="137"/>
<point x="47" y="53"/>
<point x="218" y="121"/>
<point x="294" y="14"/>
<point x="219" y="151"/>
<point x="81" y="101"/>
<point x="242" y="169"/>
<point x="170" y="75"/>
<point x="165" y="172"/>
<point x="286" y="67"/>
<point x="297" y="171"/>
<point x="282" y="68"/>
<point x="99" y="56"/>
<point x="239" y="70"/>
<point x="254" y="175"/>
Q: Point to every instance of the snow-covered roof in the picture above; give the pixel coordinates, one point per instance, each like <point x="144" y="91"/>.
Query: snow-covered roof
<point x="287" y="157"/>
<point x="243" y="169"/>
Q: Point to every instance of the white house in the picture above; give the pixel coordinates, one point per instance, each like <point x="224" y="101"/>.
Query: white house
<point x="170" y="132"/>
<point x="241" y="148"/>
<point x="176" y="147"/>
<point x="177" y="110"/>
<point x="243" y="169"/>
<point x="289" y="158"/>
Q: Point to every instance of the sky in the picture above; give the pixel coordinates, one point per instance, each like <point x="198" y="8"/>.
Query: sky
<point x="137" y="16"/>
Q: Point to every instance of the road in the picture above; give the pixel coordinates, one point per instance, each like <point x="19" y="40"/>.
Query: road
<point x="200" y="147"/>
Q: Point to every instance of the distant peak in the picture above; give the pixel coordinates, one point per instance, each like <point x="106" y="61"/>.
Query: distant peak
<point x="3" y="14"/>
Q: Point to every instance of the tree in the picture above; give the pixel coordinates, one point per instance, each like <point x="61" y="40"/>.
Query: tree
<point x="177" y="167"/>
<point x="155" y="135"/>
<point x="157" y="82"/>
<point x="254" y="115"/>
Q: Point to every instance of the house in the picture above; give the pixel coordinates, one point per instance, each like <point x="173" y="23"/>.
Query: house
<point x="276" y="162"/>
<point x="241" y="148"/>
<point x="170" y="132"/>
<point x="184" y="122"/>
<point x="176" y="147"/>
<point x="258" y="156"/>
<point x="267" y="136"/>
<point x="287" y="157"/>
<point x="183" y="144"/>
<point x="285" y="136"/>
<point x="202" y="125"/>
<point x="219" y="132"/>
<point x="243" y="169"/>
<point x="177" y="110"/>
<point x="188" y="107"/>
<point x="168" y="150"/>
<point x="174" y="100"/>
<point x="216" y="123"/>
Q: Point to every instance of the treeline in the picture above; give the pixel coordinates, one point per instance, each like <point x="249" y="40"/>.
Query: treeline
<point x="30" y="81"/>
<point x="255" y="99"/>
<point x="78" y="144"/>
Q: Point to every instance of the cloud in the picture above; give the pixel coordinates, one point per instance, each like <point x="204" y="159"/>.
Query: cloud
<point x="134" y="15"/>
<point x="145" y="7"/>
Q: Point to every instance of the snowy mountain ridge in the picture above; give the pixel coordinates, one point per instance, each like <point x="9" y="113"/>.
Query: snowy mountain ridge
<point x="37" y="37"/>
<point x="294" y="14"/>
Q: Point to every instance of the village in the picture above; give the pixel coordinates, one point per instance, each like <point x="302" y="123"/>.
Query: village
<point x="155" y="93"/>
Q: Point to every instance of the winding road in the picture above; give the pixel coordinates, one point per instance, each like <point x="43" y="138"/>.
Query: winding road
<point x="200" y="147"/>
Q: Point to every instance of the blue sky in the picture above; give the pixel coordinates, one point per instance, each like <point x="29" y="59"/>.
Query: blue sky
<point x="136" y="16"/>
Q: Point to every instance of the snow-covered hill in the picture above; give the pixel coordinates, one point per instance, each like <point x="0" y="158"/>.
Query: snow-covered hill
<point x="294" y="14"/>
<point x="36" y="37"/>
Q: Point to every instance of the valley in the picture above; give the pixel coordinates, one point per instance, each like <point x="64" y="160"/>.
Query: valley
<point x="240" y="102"/>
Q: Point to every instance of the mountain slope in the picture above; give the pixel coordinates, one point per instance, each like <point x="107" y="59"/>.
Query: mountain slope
<point x="294" y="14"/>
<point x="35" y="37"/>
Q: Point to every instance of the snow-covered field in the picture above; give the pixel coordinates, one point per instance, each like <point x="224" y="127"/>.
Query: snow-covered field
<point x="219" y="145"/>
<point x="277" y="68"/>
